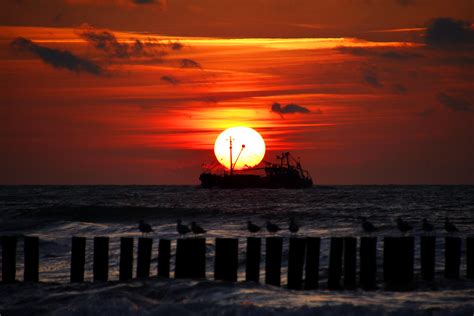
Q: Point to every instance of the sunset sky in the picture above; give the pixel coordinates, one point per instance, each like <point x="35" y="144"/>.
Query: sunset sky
<point x="136" y="91"/>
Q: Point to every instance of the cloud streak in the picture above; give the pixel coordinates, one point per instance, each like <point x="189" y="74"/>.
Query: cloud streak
<point x="57" y="58"/>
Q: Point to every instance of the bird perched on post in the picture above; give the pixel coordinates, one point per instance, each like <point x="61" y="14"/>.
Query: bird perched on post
<point x="196" y="229"/>
<point x="182" y="229"/>
<point x="403" y="226"/>
<point x="367" y="226"/>
<point x="427" y="226"/>
<point x="252" y="228"/>
<point x="144" y="228"/>
<point x="272" y="228"/>
<point x="293" y="227"/>
<point x="450" y="227"/>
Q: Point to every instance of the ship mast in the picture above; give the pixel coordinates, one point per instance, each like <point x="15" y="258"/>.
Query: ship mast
<point x="230" y="148"/>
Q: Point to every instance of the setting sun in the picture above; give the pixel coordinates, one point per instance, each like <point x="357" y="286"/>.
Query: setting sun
<point x="248" y="147"/>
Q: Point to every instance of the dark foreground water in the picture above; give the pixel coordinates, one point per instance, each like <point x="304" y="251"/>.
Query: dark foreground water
<point x="55" y="213"/>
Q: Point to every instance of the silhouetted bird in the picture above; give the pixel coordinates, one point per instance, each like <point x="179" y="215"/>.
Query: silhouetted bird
<point x="293" y="227"/>
<point x="403" y="226"/>
<point x="144" y="228"/>
<point x="252" y="228"/>
<point x="272" y="228"/>
<point x="196" y="229"/>
<point x="182" y="229"/>
<point x="367" y="226"/>
<point x="427" y="226"/>
<point x="450" y="227"/>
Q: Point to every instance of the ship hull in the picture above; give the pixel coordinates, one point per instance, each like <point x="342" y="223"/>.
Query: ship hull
<point x="242" y="181"/>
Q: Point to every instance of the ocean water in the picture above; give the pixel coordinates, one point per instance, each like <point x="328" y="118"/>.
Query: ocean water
<point x="55" y="213"/>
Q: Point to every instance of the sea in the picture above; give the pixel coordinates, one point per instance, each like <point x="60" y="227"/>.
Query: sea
<point x="56" y="213"/>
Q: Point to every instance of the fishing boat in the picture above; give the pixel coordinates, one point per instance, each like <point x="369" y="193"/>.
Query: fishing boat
<point x="286" y="173"/>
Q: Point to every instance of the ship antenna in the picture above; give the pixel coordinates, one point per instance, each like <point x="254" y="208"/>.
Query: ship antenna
<point x="243" y="146"/>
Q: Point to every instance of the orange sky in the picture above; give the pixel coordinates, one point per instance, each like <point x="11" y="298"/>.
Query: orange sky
<point x="124" y="93"/>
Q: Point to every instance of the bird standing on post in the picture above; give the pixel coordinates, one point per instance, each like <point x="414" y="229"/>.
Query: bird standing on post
<point x="450" y="227"/>
<point x="144" y="228"/>
<point x="367" y="226"/>
<point x="293" y="227"/>
<point x="403" y="226"/>
<point x="252" y="228"/>
<point x="272" y="228"/>
<point x="182" y="229"/>
<point x="196" y="229"/>
<point x="427" y="226"/>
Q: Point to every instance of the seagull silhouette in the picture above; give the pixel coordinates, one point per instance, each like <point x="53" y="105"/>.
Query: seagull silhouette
<point x="182" y="229"/>
<point x="293" y="227"/>
<point x="196" y="229"/>
<point x="450" y="227"/>
<point x="427" y="226"/>
<point x="144" y="228"/>
<point x="367" y="226"/>
<point x="403" y="226"/>
<point x="272" y="228"/>
<point x="252" y="228"/>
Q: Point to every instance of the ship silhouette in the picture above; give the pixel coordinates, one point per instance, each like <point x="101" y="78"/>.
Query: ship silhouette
<point x="287" y="173"/>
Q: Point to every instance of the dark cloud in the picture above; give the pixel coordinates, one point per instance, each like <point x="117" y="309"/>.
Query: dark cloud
<point x="405" y="2"/>
<point x="455" y="103"/>
<point x="426" y="112"/>
<point x="389" y="54"/>
<point x="189" y="63"/>
<point x="143" y="1"/>
<point x="370" y="77"/>
<point x="108" y="42"/>
<point x="399" y="88"/>
<point x="56" y="57"/>
<point x="169" y="79"/>
<point x="448" y="32"/>
<point x="289" y="108"/>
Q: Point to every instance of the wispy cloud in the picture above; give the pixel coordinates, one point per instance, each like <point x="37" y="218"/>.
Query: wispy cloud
<point x="189" y="63"/>
<point x="57" y="58"/>
<point x="371" y="77"/>
<point x="382" y="53"/>
<point x="170" y="79"/>
<point x="455" y="103"/>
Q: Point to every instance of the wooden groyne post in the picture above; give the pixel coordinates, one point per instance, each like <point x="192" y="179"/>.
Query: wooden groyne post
<point x="31" y="256"/>
<point x="470" y="257"/>
<point x="78" y="258"/>
<point x="335" y="263"/>
<point x="252" y="264"/>
<point x="398" y="262"/>
<point x="226" y="259"/>
<point x="9" y="259"/>
<point x="428" y="256"/>
<point x="164" y="256"/>
<point x="144" y="257"/>
<point x="101" y="259"/>
<point x="296" y="255"/>
<point x="368" y="263"/>
<point x="350" y="262"/>
<point x="190" y="259"/>
<point x="313" y="245"/>
<point x="452" y="257"/>
<point x="126" y="258"/>
<point x="273" y="254"/>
